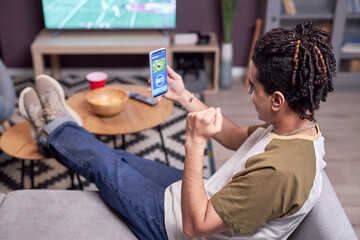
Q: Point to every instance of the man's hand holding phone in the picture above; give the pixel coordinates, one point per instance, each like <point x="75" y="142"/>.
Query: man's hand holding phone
<point x="175" y="89"/>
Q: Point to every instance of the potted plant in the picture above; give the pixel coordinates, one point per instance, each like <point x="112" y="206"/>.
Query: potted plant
<point x="228" y="17"/>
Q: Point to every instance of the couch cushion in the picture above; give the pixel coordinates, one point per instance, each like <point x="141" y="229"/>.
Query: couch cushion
<point x="59" y="214"/>
<point x="327" y="220"/>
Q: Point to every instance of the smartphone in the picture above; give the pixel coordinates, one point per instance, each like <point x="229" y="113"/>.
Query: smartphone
<point x="158" y="72"/>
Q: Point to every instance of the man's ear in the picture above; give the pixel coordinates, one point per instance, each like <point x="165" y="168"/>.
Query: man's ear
<point x="277" y="101"/>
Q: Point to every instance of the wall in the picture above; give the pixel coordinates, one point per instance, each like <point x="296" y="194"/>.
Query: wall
<point x="21" y="20"/>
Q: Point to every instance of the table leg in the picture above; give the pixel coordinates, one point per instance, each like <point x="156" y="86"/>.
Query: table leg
<point x="32" y="174"/>
<point x="163" y="145"/>
<point x="71" y="174"/>
<point x="80" y="184"/>
<point x="22" y="173"/>
<point x="114" y="140"/>
<point x="55" y="66"/>
<point x="38" y="63"/>
<point x="123" y="146"/>
<point x="123" y="142"/>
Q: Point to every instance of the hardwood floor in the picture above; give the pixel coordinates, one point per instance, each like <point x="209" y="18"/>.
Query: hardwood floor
<point x="339" y="120"/>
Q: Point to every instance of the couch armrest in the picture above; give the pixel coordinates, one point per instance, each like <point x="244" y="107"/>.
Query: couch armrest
<point x="327" y="220"/>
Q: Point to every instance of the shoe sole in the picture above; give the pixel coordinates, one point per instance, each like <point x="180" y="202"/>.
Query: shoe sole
<point x="60" y="90"/>
<point x="21" y="102"/>
<point x="25" y="115"/>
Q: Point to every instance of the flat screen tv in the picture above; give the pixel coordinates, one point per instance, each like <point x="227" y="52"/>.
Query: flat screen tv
<point x="109" y="14"/>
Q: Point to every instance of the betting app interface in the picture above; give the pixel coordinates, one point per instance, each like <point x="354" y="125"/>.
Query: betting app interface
<point x="159" y="74"/>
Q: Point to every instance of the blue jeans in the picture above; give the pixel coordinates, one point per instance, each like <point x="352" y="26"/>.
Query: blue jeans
<point x="132" y="185"/>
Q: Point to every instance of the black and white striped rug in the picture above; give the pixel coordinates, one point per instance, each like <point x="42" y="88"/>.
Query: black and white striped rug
<point x="48" y="173"/>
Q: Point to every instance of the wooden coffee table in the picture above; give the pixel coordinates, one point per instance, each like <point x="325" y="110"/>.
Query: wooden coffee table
<point x="136" y="116"/>
<point x="17" y="142"/>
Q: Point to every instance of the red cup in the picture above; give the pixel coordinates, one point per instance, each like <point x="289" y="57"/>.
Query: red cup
<point x="96" y="79"/>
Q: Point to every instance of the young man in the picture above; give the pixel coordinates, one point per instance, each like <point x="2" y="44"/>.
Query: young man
<point x="262" y="192"/>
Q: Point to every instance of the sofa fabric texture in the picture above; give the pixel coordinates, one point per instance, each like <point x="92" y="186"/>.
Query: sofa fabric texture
<point x="59" y="214"/>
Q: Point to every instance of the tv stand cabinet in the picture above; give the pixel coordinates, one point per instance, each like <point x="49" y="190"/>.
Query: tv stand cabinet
<point x="211" y="55"/>
<point x="114" y="43"/>
<point x="86" y="43"/>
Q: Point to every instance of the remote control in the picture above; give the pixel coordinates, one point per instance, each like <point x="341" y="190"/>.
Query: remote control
<point x="148" y="100"/>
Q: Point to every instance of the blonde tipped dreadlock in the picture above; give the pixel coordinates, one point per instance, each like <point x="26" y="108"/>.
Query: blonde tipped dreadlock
<point x="296" y="62"/>
<point x="324" y="78"/>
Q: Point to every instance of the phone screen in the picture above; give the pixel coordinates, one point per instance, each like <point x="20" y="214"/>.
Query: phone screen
<point x="158" y="72"/>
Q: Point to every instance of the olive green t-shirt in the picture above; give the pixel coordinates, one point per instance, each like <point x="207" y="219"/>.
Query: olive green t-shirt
<point x="264" y="190"/>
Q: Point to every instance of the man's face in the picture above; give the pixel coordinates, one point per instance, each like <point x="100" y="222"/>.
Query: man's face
<point x="261" y="100"/>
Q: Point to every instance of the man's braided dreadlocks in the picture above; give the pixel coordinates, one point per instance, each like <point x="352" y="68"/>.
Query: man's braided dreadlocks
<point x="298" y="62"/>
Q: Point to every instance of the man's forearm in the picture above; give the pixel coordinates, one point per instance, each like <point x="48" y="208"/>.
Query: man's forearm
<point x="198" y="214"/>
<point x="193" y="196"/>
<point x="194" y="106"/>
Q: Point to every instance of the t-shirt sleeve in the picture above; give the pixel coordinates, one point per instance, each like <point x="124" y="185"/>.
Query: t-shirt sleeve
<point x="252" y="129"/>
<point x="250" y="199"/>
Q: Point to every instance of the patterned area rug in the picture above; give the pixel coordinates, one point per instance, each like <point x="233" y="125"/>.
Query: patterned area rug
<point x="48" y="173"/>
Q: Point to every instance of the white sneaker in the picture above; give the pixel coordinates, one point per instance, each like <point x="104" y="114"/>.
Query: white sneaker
<point x="31" y="109"/>
<point x="52" y="98"/>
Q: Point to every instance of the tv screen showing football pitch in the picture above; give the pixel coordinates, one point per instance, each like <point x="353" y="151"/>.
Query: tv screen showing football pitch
<point x="109" y="14"/>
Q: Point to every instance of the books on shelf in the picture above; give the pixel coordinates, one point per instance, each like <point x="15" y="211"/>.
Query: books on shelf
<point x="289" y="7"/>
<point x="282" y="8"/>
<point x="351" y="40"/>
<point x="351" y="48"/>
<point x="354" y="6"/>
<point x="351" y="44"/>
<point x="350" y="65"/>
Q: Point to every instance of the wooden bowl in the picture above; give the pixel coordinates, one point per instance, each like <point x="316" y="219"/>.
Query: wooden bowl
<point x="107" y="101"/>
